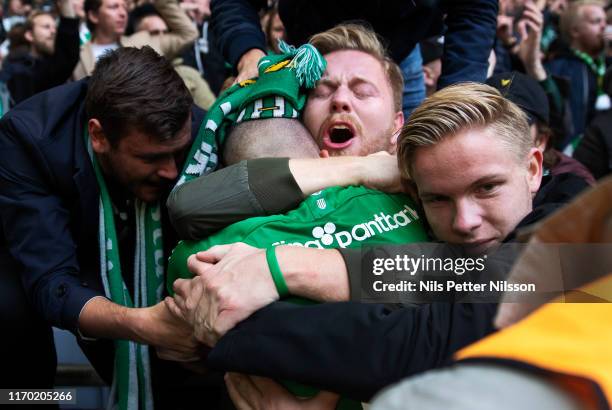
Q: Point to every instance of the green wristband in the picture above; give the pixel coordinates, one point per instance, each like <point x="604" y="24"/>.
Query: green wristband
<point x="277" y="275"/>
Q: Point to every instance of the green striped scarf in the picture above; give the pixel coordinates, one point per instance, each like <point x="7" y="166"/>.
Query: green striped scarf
<point x="278" y="91"/>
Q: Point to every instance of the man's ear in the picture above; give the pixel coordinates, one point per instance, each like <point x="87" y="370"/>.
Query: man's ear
<point x="28" y="36"/>
<point x="99" y="142"/>
<point x="398" y="123"/>
<point x="428" y="76"/>
<point x="92" y="16"/>
<point x="534" y="164"/>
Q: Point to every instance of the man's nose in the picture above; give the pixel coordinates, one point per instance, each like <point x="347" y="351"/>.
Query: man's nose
<point x="168" y="169"/>
<point x="467" y="217"/>
<point x="341" y="101"/>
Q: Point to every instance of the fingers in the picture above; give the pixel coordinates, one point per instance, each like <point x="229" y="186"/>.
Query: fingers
<point x="534" y="15"/>
<point x="177" y="355"/>
<point x="196" y="291"/>
<point x="323" y="401"/>
<point x="181" y="289"/>
<point x="242" y="392"/>
<point x="205" y="317"/>
<point x="173" y="308"/>
<point x="267" y="386"/>
<point x="246" y="75"/>
<point x="214" y="254"/>
<point x="522" y="30"/>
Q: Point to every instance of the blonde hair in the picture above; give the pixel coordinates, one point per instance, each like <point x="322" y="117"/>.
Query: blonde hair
<point x="458" y="108"/>
<point x="572" y="15"/>
<point x="357" y="37"/>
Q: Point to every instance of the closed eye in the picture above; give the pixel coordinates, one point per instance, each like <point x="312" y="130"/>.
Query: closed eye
<point x="363" y="90"/>
<point x="488" y="188"/>
<point x="434" y="199"/>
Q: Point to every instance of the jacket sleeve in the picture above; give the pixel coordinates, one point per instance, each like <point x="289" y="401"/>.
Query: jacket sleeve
<point x="57" y="69"/>
<point x="182" y="30"/>
<point x="36" y="227"/>
<point x="235" y="24"/>
<point x="211" y="202"/>
<point x="468" y="41"/>
<point x="592" y="151"/>
<point x="350" y="348"/>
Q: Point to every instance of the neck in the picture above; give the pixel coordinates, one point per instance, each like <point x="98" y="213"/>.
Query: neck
<point x="103" y="38"/>
<point x="34" y="52"/>
<point x="592" y="54"/>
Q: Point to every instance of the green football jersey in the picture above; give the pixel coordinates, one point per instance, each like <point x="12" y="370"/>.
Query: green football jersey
<point x="337" y="217"/>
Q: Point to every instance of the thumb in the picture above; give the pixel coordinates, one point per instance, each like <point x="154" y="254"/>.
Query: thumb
<point x="326" y="399"/>
<point x="214" y="254"/>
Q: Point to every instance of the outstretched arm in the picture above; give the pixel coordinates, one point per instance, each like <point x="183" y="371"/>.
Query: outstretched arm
<point x="269" y="186"/>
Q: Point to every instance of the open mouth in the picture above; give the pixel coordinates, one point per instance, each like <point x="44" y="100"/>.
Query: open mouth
<point x="339" y="135"/>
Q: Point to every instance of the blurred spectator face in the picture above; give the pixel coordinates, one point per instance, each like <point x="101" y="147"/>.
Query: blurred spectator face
<point x="18" y="8"/>
<point x="199" y="10"/>
<point x="277" y="29"/>
<point x="154" y="24"/>
<point x="273" y="28"/>
<point x="111" y="17"/>
<point x="474" y="191"/>
<point x="351" y="111"/>
<point x="588" y="34"/>
<point x="78" y="8"/>
<point x="42" y="35"/>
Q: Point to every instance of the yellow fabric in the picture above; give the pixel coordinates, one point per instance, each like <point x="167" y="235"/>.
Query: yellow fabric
<point x="569" y="338"/>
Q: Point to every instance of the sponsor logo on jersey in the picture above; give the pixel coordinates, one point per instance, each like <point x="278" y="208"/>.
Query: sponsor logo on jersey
<point x="328" y="235"/>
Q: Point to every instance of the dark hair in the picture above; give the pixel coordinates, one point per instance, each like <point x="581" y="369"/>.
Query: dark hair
<point x="138" y="14"/>
<point x="91" y="5"/>
<point x="18" y="44"/>
<point x="137" y="89"/>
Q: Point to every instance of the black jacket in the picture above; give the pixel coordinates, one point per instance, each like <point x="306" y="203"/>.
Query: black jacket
<point x="49" y="198"/>
<point x="357" y="349"/>
<point x="25" y="75"/>
<point x="595" y="149"/>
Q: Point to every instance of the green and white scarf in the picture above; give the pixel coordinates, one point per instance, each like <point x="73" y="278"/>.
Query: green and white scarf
<point x="131" y="388"/>
<point x="598" y="67"/>
<point x="278" y="92"/>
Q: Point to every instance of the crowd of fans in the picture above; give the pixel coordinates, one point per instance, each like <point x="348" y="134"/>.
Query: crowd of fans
<point x="452" y="92"/>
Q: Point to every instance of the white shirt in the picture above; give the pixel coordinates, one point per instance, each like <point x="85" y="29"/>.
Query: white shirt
<point x="100" y="49"/>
